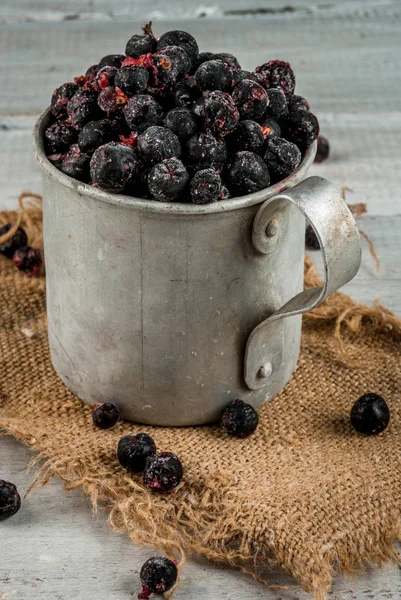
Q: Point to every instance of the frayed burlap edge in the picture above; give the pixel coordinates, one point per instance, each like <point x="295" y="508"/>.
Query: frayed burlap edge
<point x="190" y="528"/>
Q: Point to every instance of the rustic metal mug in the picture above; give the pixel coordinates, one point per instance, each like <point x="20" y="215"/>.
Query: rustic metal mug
<point x="172" y="310"/>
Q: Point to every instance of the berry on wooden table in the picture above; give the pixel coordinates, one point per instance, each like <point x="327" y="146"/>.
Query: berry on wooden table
<point x="133" y="450"/>
<point x="239" y="419"/>
<point x="105" y="415"/>
<point x="370" y="414"/>
<point x="158" y="575"/>
<point x="18" y="240"/>
<point x="163" y="472"/>
<point x="323" y="149"/>
<point x="10" y="500"/>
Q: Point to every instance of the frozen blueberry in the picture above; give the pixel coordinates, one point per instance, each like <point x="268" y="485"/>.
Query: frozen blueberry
<point x="221" y="114"/>
<point x="105" y="77"/>
<point x="276" y="74"/>
<point x="105" y="415"/>
<point x="132" y="80"/>
<point x="204" y="151"/>
<point x="182" y="39"/>
<point x="111" y="60"/>
<point x="18" y="240"/>
<point x="142" y="111"/>
<point x="370" y="414"/>
<point x="180" y="96"/>
<point x="301" y="127"/>
<point x="247" y="174"/>
<point x="28" y="260"/>
<point x="229" y="59"/>
<point x="158" y="575"/>
<point x="167" y="180"/>
<point x="111" y="99"/>
<point x="205" y="187"/>
<point x="76" y="163"/>
<point x="239" y="419"/>
<point x="83" y="107"/>
<point x="311" y="241"/>
<point x="158" y="143"/>
<point x="138" y="45"/>
<point x="270" y="128"/>
<point x="248" y="135"/>
<point x="182" y="122"/>
<point x="297" y="103"/>
<point x="60" y="98"/>
<point x="282" y="157"/>
<point x="113" y="166"/>
<point x="205" y="57"/>
<point x="277" y="106"/>
<point x="323" y="149"/>
<point x="133" y="450"/>
<point x="163" y="472"/>
<point x="95" y="134"/>
<point x="251" y="99"/>
<point x="91" y="72"/>
<point x="214" y="75"/>
<point x="179" y="58"/>
<point x="10" y="500"/>
<point x="59" y="137"/>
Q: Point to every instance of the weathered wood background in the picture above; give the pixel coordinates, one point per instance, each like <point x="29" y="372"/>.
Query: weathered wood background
<point x="347" y="57"/>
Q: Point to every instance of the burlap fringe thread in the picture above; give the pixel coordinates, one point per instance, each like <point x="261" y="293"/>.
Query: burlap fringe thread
<point x="195" y="521"/>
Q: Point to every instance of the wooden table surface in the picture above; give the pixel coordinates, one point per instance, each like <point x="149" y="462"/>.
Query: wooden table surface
<point x="347" y="57"/>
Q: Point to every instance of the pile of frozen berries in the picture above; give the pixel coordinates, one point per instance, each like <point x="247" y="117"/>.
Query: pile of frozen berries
<point x="164" y="121"/>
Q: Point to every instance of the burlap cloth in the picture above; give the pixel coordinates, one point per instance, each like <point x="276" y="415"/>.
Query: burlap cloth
<point x="306" y="492"/>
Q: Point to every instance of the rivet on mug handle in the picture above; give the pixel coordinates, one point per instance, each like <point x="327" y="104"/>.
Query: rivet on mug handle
<point x="321" y="203"/>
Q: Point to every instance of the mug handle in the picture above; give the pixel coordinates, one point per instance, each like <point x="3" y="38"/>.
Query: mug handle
<point x="320" y="202"/>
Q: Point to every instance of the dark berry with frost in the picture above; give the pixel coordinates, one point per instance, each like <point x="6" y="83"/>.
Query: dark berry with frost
<point x="276" y="74"/>
<point x="158" y="575"/>
<point x="59" y="137"/>
<point x="311" y="241"/>
<point x="214" y="75"/>
<point x="251" y="99"/>
<point x="297" y="103"/>
<point x="18" y="240"/>
<point x="82" y="108"/>
<point x="270" y="128"/>
<point x="221" y="114"/>
<point x="158" y="143"/>
<point x="167" y="180"/>
<point x="277" y="106"/>
<point x="142" y="111"/>
<point x="205" y="187"/>
<point x="138" y="45"/>
<point x="105" y="77"/>
<point x="10" y="500"/>
<point x="61" y="97"/>
<point x="182" y="122"/>
<point x="133" y="450"/>
<point x="198" y="107"/>
<point x="248" y="173"/>
<point x="229" y="59"/>
<point x="91" y="72"/>
<point x="105" y="415"/>
<point x="205" y="57"/>
<point x="248" y="135"/>
<point x="182" y="39"/>
<point x="111" y="99"/>
<point x="113" y="166"/>
<point x="95" y="134"/>
<point x="76" y="163"/>
<point x="239" y="419"/>
<point x="163" y="472"/>
<point x="301" y="127"/>
<point x="282" y="157"/>
<point x="111" y="60"/>
<point x="179" y="58"/>
<point x="132" y="80"/>
<point x="29" y="261"/>
<point x="204" y="151"/>
<point x="323" y="149"/>
<point x="370" y="414"/>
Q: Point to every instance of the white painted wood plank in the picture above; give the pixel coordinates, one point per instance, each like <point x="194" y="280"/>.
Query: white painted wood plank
<point x="353" y="73"/>
<point x="55" y="549"/>
<point x="26" y="10"/>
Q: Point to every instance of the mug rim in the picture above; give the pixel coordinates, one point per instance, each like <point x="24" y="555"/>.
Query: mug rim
<point x="154" y="206"/>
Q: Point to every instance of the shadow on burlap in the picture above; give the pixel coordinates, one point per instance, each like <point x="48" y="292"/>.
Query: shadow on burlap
<point x="305" y="492"/>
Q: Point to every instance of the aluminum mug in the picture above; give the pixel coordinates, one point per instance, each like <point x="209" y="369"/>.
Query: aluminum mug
<point x="171" y="310"/>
